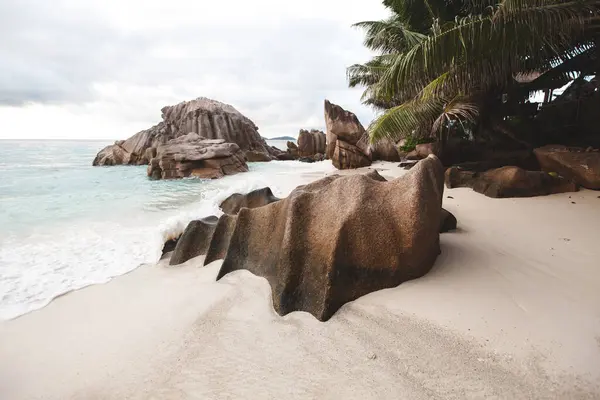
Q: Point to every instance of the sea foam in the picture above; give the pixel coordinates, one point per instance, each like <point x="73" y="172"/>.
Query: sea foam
<point x="78" y="227"/>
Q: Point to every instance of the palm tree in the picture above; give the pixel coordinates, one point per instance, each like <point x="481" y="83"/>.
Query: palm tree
<point x="447" y="62"/>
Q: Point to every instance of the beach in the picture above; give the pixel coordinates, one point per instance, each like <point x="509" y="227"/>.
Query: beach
<point x="510" y="310"/>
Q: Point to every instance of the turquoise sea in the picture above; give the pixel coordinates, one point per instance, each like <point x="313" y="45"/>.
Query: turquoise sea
<point x="65" y="224"/>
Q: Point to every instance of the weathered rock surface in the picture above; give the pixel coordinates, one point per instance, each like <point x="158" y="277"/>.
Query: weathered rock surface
<point x="134" y="151"/>
<point x="337" y="239"/>
<point x="195" y="240"/>
<point x="347" y="140"/>
<point x="347" y="156"/>
<point x="192" y="155"/>
<point x="509" y="182"/>
<point x="577" y="164"/>
<point x="385" y="150"/>
<point x="208" y="118"/>
<point x="257" y="198"/>
<point x="292" y="150"/>
<point x="311" y="143"/>
<point x="425" y="149"/>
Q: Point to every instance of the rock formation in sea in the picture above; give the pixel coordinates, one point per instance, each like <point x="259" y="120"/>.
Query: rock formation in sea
<point x="336" y="239"/>
<point x="580" y="165"/>
<point x="208" y="118"/>
<point x="193" y="155"/>
<point x="347" y="140"/>
<point x="311" y="143"/>
<point x="509" y="182"/>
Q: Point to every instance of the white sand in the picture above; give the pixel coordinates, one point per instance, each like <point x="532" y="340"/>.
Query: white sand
<point x="511" y="310"/>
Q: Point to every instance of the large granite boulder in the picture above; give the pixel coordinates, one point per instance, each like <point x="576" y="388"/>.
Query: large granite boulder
<point x="425" y="149"/>
<point x="134" y="151"/>
<point x="347" y="140"/>
<point x="347" y="156"/>
<point x="193" y="155"/>
<point x="509" y="182"/>
<point x="337" y="239"/>
<point x="257" y="198"/>
<point x="194" y="241"/>
<point x="208" y="118"/>
<point x="385" y="150"/>
<point x="577" y="164"/>
<point x="311" y="143"/>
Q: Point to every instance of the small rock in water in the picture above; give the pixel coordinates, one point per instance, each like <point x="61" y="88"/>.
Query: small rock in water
<point x="573" y="202"/>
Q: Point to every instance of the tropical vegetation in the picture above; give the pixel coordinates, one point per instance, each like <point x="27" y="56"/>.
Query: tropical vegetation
<point x="470" y="68"/>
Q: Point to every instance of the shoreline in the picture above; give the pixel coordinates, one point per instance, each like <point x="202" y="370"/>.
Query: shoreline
<point x="510" y="309"/>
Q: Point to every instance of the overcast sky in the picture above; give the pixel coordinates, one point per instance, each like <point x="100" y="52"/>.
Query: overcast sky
<point x="104" y="68"/>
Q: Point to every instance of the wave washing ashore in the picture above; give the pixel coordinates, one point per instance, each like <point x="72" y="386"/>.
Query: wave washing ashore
<point x="66" y="224"/>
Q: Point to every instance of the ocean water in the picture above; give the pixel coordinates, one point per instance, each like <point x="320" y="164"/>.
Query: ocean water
<point x="65" y="225"/>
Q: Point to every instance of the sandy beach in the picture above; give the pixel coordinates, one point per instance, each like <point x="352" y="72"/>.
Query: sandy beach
<point x="511" y="310"/>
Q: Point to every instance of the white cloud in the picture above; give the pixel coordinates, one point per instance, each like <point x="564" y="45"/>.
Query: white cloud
<point x="103" y="69"/>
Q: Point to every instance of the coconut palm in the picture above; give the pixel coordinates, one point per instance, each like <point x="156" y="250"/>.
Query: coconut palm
<point x="466" y="66"/>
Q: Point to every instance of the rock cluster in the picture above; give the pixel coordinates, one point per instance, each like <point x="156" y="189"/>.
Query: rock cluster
<point x="335" y="239"/>
<point x="578" y="164"/>
<point x="347" y="140"/>
<point x="208" y="118"/>
<point x="193" y="155"/>
<point x="311" y="143"/>
<point x="509" y="182"/>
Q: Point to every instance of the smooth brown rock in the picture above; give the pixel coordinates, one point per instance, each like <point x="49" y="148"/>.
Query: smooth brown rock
<point x="257" y="198"/>
<point x="425" y="149"/>
<point x="347" y="156"/>
<point x="385" y="150"/>
<point x="347" y="141"/>
<point x="311" y="143"/>
<point x="576" y="164"/>
<point x="208" y="118"/>
<point x="133" y="151"/>
<point x="337" y="239"/>
<point x="257" y="156"/>
<point x="219" y="243"/>
<point x="195" y="240"/>
<point x="457" y="177"/>
<point x="192" y="155"/>
<point x="509" y="182"/>
<point x="412" y="156"/>
<point x="342" y="123"/>
<point x="292" y="150"/>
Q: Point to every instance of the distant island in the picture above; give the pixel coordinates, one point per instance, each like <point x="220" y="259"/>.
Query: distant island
<point x="282" y="138"/>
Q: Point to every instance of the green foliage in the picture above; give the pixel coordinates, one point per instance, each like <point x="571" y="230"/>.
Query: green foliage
<point x="442" y="62"/>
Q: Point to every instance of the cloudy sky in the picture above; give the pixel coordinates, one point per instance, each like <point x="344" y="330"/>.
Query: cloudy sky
<point x="104" y="68"/>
